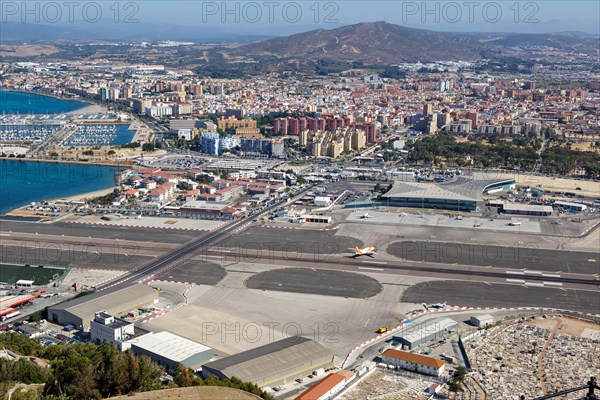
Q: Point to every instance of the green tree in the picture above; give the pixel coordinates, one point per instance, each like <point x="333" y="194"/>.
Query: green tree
<point x="148" y="147"/>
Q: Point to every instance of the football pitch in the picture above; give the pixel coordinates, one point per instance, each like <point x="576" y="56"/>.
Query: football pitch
<point x="41" y="276"/>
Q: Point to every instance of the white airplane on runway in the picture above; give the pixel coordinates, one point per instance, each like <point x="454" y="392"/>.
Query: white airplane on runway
<point x="367" y="251"/>
<point x="434" y="305"/>
<point x="365" y="216"/>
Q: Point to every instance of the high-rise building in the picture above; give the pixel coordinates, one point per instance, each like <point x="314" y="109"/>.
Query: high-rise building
<point x="474" y="118"/>
<point x="293" y="126"/>
<point x="126" y="92"/>
<point x="211" y="143"/>
<point x="303" y="138"/>
<point x="103" y="93"/>
<point x="280" y="127"/>
<point x="277" y="149"/>
<point x="427" y="109"/>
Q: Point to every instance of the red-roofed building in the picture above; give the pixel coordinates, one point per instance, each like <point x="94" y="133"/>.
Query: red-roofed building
<point x="192" y="194"/>
<point x="413" y="362"/>
<point x="327" y="387"/>
<point x="131" y="193"/>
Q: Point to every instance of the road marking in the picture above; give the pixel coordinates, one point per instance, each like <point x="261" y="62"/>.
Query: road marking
<point x="366" y="323"/>
<point x="591" y="260"/>
<point x="534" y="284"/>
<point x="371" y="269"/>
<point x="375" y="262"/>
<point x="552" y="283"/>
<point x="516" y="280"/>
<point x="213" y="256"/>
<point x="516" y="272"/>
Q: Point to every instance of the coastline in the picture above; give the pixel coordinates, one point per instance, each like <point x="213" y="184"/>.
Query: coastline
<point x="22" y="212"/>
<point x="122" y="164"/>
<point x="45" y="94"/>
<point x="84" y="196"/>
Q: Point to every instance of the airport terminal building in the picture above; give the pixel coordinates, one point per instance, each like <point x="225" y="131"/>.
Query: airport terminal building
<point x="427" y="195"/>
<point x="463" y="194"/>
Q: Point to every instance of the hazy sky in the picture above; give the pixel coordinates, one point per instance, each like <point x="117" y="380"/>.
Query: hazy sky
<point x="275" y="17"/>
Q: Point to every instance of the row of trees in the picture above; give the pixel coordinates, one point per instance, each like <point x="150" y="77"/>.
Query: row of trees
<point x="88" y="371"/>
<point x="522" y="152"/>
<point x="434" y="149"/>
<point x="185" y="377"/>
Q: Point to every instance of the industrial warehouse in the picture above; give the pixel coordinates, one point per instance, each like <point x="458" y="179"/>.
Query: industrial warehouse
<point x="276" y="363"/>
<point x="80" y="311"/>
<point x="414" y="336"/>
<point x="167" y="349"/>
<point x="521" y="209"/>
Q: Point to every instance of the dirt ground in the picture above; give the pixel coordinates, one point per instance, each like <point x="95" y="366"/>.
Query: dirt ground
<point x="588" y="188"/>
<point x="570" y="326"/>
<point x="381" y="383"/>
<point x="193" y="393"/>
<point x="585" y="146"/>
<point x="26" y="50"/>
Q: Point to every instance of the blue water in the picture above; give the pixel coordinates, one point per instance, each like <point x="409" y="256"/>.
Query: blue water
<point x="27" y="103"/>
<point x="23" y="182"/>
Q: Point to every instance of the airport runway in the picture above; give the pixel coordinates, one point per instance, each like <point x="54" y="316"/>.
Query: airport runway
<point x="157" y="235"/>
<point x="296" y="240"/>
<point x="463" y="293"/>
<point x="525" y="256"/>
<point x="436" y="271"/>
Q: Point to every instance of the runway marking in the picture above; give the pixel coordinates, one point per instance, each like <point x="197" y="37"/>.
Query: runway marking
<point x="213" y="256"/>
<point x="534" y="284"/>
<point x="366" y="323"/>
<point x="4" y="234"/>
<point x="375" y="262"/>
<point x="552" y="283"/>
<point x="516" y="280"/>
<point x="371" y="269"/>
<point x="534" y="272"/>
<point x="516" y="272"/>
<point x="551" y="275"/>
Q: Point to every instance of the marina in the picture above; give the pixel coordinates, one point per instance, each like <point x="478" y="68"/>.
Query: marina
<point x="85" y="135"/>
<point x="100" y="135"/>
<point x="26" y="133"/>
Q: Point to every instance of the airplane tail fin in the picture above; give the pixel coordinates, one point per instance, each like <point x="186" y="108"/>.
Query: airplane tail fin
<point x="358" y="250"/>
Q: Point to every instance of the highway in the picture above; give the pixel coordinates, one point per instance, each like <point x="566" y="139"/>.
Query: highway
<point x="170" y="260"/>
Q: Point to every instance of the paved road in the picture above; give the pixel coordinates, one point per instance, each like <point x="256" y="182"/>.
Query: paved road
<point x="526" y="256"/>
<point x="462" y="293"/>
<point x="166" y="262"/>
<point x="314" y="281"/>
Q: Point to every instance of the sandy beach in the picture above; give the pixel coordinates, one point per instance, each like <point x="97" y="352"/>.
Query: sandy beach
<point x="90" y="109"/>
<point x="89" y="195"/>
